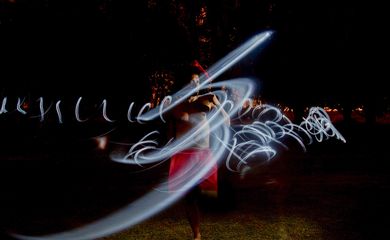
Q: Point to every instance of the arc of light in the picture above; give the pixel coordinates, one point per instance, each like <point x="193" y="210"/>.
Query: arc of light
<point x="155" y="201"/>
<point x="214" y="71"/>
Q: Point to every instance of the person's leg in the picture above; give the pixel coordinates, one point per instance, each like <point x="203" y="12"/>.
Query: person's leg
<point x="192" y="211"/>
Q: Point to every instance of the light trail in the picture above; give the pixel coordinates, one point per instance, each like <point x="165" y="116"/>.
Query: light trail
<point x="243" y="142"/>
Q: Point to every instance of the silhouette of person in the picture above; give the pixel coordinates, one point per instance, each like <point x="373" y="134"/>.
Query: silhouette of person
<point x="186" y="116"/>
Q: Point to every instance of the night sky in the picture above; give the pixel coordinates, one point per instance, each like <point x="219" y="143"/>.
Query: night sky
<point x="331" y="48"/>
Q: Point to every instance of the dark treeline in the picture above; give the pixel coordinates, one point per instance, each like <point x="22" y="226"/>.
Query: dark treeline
<point x="322" y="52"/>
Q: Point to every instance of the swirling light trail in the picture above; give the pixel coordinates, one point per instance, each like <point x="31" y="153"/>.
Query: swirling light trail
<point x="247" y="141"/>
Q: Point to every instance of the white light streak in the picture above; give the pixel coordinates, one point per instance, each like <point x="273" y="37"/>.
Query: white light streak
<point x="19" y="106"/>
<point x="249" y="144"/>
<point x="3" y="105"/>
<point x="77" y="111"/>
<point x="58" y="109"/>
<point x="104" y="103"/>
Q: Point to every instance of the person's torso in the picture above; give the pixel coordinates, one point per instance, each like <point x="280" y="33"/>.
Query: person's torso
<point x="196" y="123"/>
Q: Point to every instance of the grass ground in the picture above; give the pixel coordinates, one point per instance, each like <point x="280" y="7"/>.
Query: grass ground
<point x="310" y="207"/>
<point x="334" y="191"/>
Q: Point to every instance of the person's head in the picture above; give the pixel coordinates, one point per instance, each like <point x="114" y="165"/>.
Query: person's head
<point x="195" y="80"/>
<point x="190" y="77"/>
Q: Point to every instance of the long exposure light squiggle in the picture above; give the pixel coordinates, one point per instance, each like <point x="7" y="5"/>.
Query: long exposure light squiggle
<point x="58" y="109"/>
<point x="243" y="143"/>
<point x="42" y="110"/>
<point x="19" y="106"/>
<point x="270" y="126"/>
<point x="318" y="124"/>
<point x="3" y="105"/>
<point x="155" y="201"/>
<point x="104" y="103"/>
<point x="77" y="111"/>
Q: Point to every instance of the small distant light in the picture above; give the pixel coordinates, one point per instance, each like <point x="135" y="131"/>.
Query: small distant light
<point x="25" y="106"/>
<point x="101" y="142"/>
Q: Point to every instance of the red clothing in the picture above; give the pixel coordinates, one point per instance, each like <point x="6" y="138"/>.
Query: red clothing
<point x="191" y="161"/>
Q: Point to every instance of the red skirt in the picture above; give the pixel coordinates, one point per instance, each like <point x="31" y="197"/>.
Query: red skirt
<point x="191" y="161"/>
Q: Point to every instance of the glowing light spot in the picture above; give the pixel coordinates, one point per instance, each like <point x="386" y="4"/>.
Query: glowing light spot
<point x="102" y="142"/>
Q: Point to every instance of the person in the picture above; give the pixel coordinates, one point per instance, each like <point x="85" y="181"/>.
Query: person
<point x="186" y="116"/>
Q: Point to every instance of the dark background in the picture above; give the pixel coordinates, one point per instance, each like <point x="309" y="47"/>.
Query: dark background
<point x="326" y="53"/>
<point x="340" y="45"/>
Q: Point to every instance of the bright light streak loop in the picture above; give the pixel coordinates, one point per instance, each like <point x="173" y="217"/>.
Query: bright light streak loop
<point x="243" y="143"/>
